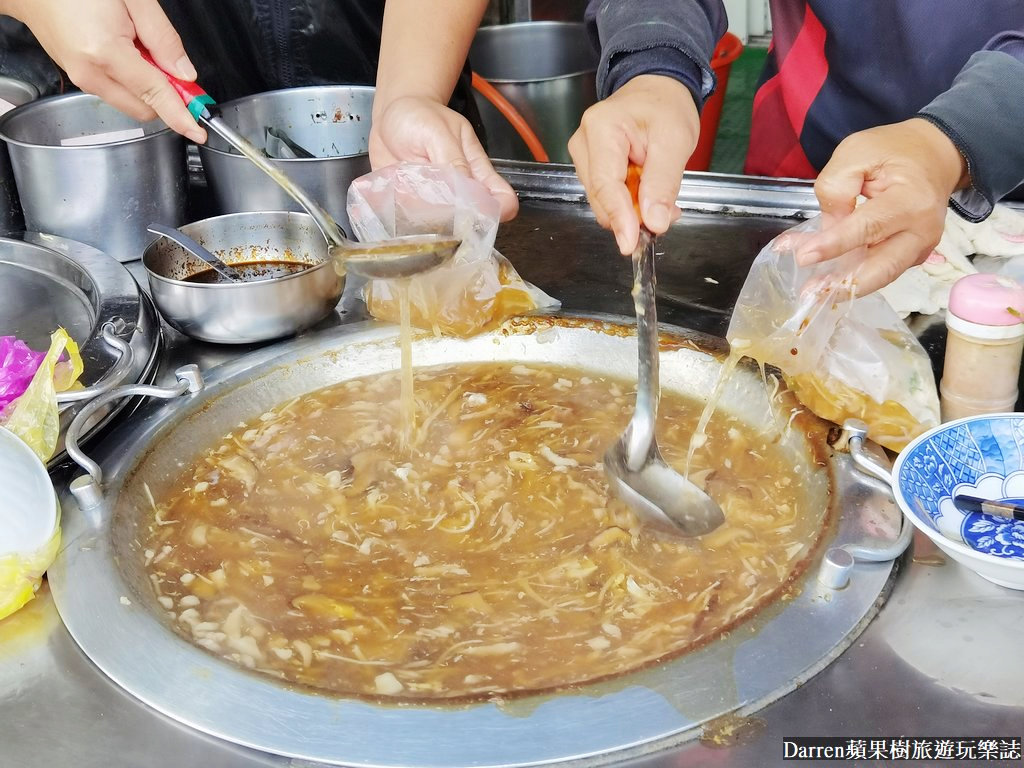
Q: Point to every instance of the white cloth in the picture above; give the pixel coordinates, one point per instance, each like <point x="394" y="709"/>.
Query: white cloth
<point x="997" y="243"/>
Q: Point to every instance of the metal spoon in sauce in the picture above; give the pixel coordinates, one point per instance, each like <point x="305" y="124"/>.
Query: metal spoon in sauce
<point x="194" y="248"/>
<point x="634" y="466"/>
<point x="395" y="258"/>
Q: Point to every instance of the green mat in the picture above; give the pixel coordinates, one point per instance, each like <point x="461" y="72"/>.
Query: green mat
<point x="734" y="125"/>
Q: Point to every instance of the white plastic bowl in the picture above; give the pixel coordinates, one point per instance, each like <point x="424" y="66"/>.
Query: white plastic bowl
<point x="28" y="522"/>
<point x="978" y="456"/>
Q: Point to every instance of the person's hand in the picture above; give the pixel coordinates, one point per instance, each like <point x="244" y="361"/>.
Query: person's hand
<point x="94" y="42"/>
<point x="420" y="130"/>
<point x="907" y="171"/>
<point x="652" y="121"/>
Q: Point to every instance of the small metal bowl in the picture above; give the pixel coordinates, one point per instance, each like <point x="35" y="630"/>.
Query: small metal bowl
<point x="248" y="312"/>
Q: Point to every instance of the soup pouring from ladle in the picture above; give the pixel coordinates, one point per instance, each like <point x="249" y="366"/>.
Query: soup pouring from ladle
<point x="396" y="258"/>
<point x="634" y="465"/>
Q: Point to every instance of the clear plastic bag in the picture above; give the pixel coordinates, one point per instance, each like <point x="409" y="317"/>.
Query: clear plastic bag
<point x="34" y="416"/>
<point x="843" y="357"/>
<point x="479" y="288"/>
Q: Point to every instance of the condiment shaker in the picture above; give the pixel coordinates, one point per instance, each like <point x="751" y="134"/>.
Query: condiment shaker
<point x="984" y="341"/>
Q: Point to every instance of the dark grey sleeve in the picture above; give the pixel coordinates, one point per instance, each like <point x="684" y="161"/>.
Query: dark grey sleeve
<point x="665" y="37"/>
<point x="983" y="114"/>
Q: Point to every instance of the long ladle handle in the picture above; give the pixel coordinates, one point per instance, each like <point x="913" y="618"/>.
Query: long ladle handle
<point x="199" y="102"/>
<point x="645" y="414"/>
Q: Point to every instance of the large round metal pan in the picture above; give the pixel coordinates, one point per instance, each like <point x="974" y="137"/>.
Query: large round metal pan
<point x="104" y="597"/>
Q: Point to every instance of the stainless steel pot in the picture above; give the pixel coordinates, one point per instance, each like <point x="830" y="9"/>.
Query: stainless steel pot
<point x="104" y="195"/>
<point x="548" y="71"/>
<point x="16" y="92"/>
<point x="330" y="121"/>
<point x="99" y="580"/>
<point x="244" y="313"/>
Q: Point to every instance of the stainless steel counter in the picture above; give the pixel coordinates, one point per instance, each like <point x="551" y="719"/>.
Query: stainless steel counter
<point x="941" y="659"/>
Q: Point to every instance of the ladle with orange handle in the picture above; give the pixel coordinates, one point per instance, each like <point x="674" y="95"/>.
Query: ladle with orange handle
<point x="636" y="471"/>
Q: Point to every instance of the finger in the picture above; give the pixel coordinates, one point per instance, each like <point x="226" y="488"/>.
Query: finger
<point x="878" y="219"/>
<point x="116" y="95"/>
<point x="150" y="85"/>
<point x="580" y="153"/>
<point x="608" y="159"/>
<point x="484" y="172"/>
<point x="888" y="260"/>
<point x="443" y="147"/>
<point x="156" y="32"/>
<point x="840" y="181"/>
<point x="380" y="153"/>
<point x="666" y="157"/>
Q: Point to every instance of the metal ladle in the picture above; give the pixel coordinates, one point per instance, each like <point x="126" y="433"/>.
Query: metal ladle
<point x="633" y="464"/>
<point x="395" y="258"/>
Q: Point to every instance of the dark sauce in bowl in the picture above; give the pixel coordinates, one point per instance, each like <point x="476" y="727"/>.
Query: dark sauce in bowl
<point x="253" y="271"/>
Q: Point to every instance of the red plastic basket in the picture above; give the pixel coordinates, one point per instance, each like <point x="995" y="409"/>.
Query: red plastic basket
<point x="728" y="50"/>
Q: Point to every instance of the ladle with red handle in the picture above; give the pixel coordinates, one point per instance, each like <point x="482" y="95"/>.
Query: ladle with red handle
<point x="396" y="258"/>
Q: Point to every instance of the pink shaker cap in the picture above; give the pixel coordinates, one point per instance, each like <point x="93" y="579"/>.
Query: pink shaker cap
<point x="987" y="300"/>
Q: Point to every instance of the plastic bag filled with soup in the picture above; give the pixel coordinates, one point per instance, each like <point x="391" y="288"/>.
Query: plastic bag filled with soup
<point x="844" y="357"/>
<point x="479" y="288"/>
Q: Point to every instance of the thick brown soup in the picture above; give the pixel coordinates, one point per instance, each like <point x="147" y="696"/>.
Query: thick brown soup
<point x="486" y="558"/>
<point x="251" y="271"/>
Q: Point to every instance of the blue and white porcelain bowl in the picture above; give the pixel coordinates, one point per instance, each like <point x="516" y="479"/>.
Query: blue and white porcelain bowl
<point x="980" y="456"/>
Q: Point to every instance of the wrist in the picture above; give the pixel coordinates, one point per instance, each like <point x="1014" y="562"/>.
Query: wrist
<point x="665" y="90"/>
<point x="665" y="62"/>
<point x="383" y="104"/>
<point x="424" y="44"/>
<point x="952" y="165"/>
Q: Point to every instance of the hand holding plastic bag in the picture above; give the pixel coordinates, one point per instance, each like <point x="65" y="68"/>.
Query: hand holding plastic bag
<point x="33" y="416"/>
<point x="843" y="357"/>
<point x="479" y="288"/>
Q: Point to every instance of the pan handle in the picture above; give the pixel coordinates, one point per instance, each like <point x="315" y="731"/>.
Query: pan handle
<point x="111" y="333"/>
<point x="87" y="488"/>
<point x="838" y="562"/>
<point x="856" y="433"/>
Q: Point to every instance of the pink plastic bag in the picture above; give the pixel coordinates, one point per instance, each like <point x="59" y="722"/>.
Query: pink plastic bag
<point x="33" y="415"/>
<point x="479" y="288"/>
<point x="18" y="364"/>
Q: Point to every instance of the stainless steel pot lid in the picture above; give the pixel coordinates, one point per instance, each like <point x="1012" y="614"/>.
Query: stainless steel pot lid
<point x="103" y="594"/>
<point x="48" y="281"/>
